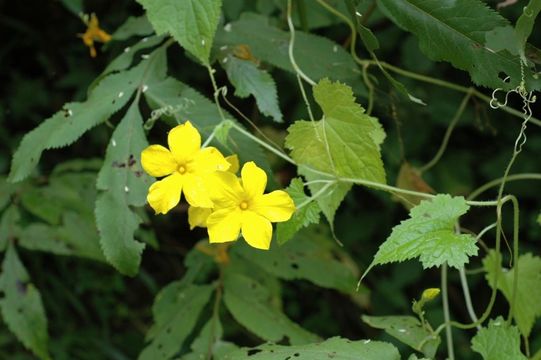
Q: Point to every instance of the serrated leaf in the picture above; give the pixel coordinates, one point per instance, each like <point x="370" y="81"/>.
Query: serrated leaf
<point x="6" y="189"/>
<point x="191" y="22"/>
<point x="333" y="348"/>
<point x="247" y="300"/>
<point x="128" y="56"/>
<point x="303" y="258"/>
<point x="345" y="142"/>
<point x="209" y="342"/>
<point x="451" y="31"/>
<point x="133" y="26"/>
<point x="9" y="226"/>
<point x="175" y="310"/>
<point x="525" y="24"/>
<point x="430" y="235"/>
<point x="22" y="309"/>
<point x="498" y="341"/>
<point x="304" y="216"/>
<point x="407" y="329"/>
<point x="248" y="80"/>
<point x="270" y="44"/>
<point x="527" y="307"/>
<point x="67" y="125"/>
<point x="124" y="184"/>
<point x="178" y="101"/>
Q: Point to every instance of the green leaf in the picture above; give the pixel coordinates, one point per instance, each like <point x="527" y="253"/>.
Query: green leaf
<point x="304" y="216"/>
<point x="77" y="236"/>
<point x="248" y="302"/>
<point x="407" y="329"/>
<point x="248" y="80"/>
<point x="133" y="26"/>
<point x="22" y="309"/>
<point x="124" y="184"/>
<point x="430" y="235"/>
<point x="345" y="142"/>
<point x="191" y="22"/>
<point x="498" y="341"/>
<point x="6" y="190"/>
<point x="303" y="258"/>
<point x="209" y="342"/>
<point x="176" y="310"/>
<point x="334" y="348"/>
<point x="451" y="31"/>
<point x="525" y="24"/>
<point x="127" y="57"/>
<point x="9" y="226"/>
<point x="527" y="307"/>
<point x="317" y="56"/>
<point x="178" y="101"/>
<point x="67" y="125"/>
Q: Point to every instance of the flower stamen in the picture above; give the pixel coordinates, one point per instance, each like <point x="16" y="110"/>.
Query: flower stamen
<point x="182" y="169"/>
<point x="243" y="205"/>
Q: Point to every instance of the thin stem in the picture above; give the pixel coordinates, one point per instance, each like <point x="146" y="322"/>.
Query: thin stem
<point x="216" y="92"/>
<point x="291" y="45"/>
<point x="526" y="176"/>
<point x="448" y="133"/>
<point x="370" y="87"/>
<point x="446" y="314"/>
<point x="316" y="195"/>
<point x="305" y="98"/>
<point x="467" y="297"/>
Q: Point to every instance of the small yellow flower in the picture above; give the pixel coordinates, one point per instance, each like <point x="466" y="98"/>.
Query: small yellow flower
<point x="186" y="167"/>
<point x="94" y="33"/>
<point x="198" y="216"/>
<point x="242" y="206"/>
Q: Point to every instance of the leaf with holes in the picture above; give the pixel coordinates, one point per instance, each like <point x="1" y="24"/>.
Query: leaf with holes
<point x="429" y="234"/>
<point x="209" y="342"/>
<point x="305" y="215"/>
<point x="345" y="142"/>
<point x="21" y="306"/>
<point x="248" y="80"/>
<point x="247" y="301"/>
<point x="407" y="329"/>
<point x="176" y="310"/>
<point x="333" y="348"/>
<point x="67" y="125"/>
<point x="191" y="22"/>
<point x="303" y="258"/>
<point x="498" y="341"/>
<point x="527" y="307"/>
<point x="451" y="31"/>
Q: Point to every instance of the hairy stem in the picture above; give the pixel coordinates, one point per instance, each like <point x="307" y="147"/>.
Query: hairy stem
<point x="446" y="313"/>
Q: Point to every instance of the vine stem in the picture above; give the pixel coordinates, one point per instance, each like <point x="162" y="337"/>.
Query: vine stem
<point x="448" y="133"/>
<point x="526" y="176"/>
<point x="446" y="313"/>
<point x="291" y="45"/>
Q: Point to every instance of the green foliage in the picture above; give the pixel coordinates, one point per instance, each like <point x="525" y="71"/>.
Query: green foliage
<point x="176" y="310"/>
<point x="498" y="341"/>
<point x="345" y="142"/>
<point x="248" y="80"/>
<point x="124" y="184"/>
<point x="307" y="212"/>
<point x="21" y="305"/>
<point x="191" y="22"/>
<point x="248" y="302"/>
<point x="526" y="307"/>
<point x="334" y="348"/>
<point x="408" y="330"/>
<point x="429" y="234"/>
<point x="133" y="26"/>
<point x="452" y="32"/>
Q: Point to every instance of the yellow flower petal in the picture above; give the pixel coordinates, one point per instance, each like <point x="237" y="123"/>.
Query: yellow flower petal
<point x="209" y="160"/>
<point x="196" y="192"/>
<point x="224" y="225"/>
<point x="157" y="161"/>
<point x="256" y="230"/>
<point x="198" y="216"/>
<point x="254" y="179"/>
<point x="276" y="206"/>
<point x="184" y="141"/>
<point x="224" y="189"/>
<point x="165" y="194"/>
<point x="233" y="161"/>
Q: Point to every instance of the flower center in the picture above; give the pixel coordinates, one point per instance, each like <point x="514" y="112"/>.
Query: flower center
<point x="182" y="169"/>
<point x="243" y="205"/>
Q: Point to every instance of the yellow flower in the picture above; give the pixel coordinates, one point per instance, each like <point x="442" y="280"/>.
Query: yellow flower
<point x="243" y="206"/>
<point x="186" y="166"/>
<point x="94" y="33"/>
<point x="198" y="216"/>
